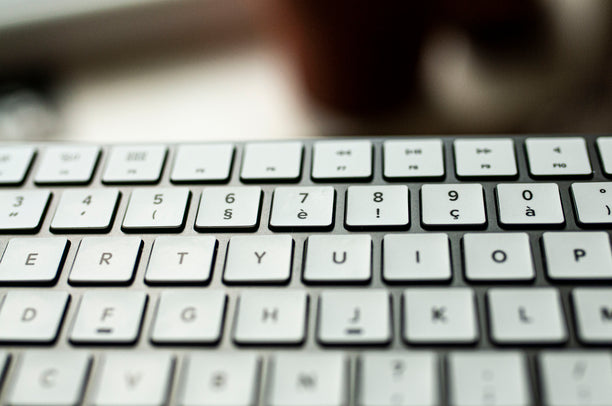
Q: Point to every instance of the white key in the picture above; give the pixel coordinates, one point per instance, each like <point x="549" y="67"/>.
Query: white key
<point x="354" y="317"/>
<point x="23" y="210"/>
<point x="402" y="378"/>
<point x="413" y="159"/>
<point x="33" y="260"/>
<point x="272" y="161"/>
<point x="557" y="156"/>
<point x="156" y="209"/>
<point x="106" y="260"/>
<point x="217" y="379"/>
<point x="439" y="315"/>
<point x="202" y="163"/>
<point x="181" y="260"/>
<point x="308" y="379"/>
<point x="488" y="378"/>
<point x="109" y="317"/>
<point x="32" y="317"/>
<point x="189" y="316"/>
<point x="4" y="358"/>
<point x="303" y="207"/>
<point x="453" y="205"/>
<point x="593" y="310"/>
<point x="577" y="255"/>
<point x="14" y="163"/>
<point x="593" y="202"/>
<point x="271" y="317"/>
<point x="134" y="164"/>
<point x="85" y="210"/>
<point x="529" y="204"/>
<point x="519" y="316"/>
<point x="485" y="157"/>
<point x="258" y="258"/>
<point x="604" y="144"/>
<point x="377" y="206"/>
<point x="416" y="257"/>
<point x="338" y="258"/>
<point x="138" y="379"/>
<point x="576" y="378"/>
<point x="229" y="208"/>
<point x="71" y="164"/>
<point x="497" y="257"/>
<point x="342" y="160"/>
<point x="50" y="378"/>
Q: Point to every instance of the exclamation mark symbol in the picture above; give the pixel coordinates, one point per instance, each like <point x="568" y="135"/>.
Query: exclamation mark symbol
<point x="377" y="213"/>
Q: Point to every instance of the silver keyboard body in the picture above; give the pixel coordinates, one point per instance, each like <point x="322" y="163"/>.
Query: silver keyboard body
<point x="313" y="341"/>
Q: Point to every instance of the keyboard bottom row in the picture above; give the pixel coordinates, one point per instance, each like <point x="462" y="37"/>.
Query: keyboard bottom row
<point x="39" y="377"/>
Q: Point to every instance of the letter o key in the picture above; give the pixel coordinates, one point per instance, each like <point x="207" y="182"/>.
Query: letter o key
<point x="499" y="256"/>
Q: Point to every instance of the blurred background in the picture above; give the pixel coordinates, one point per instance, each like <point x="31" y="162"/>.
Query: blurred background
<point x="184" y="70"/>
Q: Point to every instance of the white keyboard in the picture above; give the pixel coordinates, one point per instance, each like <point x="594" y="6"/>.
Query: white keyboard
<point x="356" y="271"/>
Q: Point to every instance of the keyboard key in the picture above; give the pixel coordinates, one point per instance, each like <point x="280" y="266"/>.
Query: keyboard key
<point x="303" y="208"/>
<point x="23" y="210"/>
<point x="604" y="145"/>
<point x="342" y="160"/>
<point x="85" y="211"/>
<point x="593" y="311"/>
<point x="159" y="209"/>
<point x="15" y="161"/>
<point x="577" y="255"/>
<point x="229" y="208"/>
<point x="593" y="202"/>
<point x="67" y="164"/>
<point x="439" y="315"/>
<point x="338" y="258"/>
<point x="269" y="161"/>
<point x="131" y="378"/>
<point x="354" y="317"/>
<point x="189" y="317"/>
<point x="259" y="259"/>
<point x="457" y="205"/>
<point x="308" y="379"/>
<point x="576" y="378"/>
<point x="33" y="260"/>
<point x="32" y="317"/>
<point x="529" y="204"/>
<point x="416" y="257"/>
<point x="486" y="157"/>
<point x="400" y="378"/>
<point x="106" y="260"/>
<point x="498" y="257"/>
<point x="202" y="163"/>
<point x="181" y="260"/>
<point x="413" y="159"/>
<point x="134" y="164"/>
<point x="377" y="207"/>
<point x="557" y="156"/>
<point x="271" y="317"/>
<point x="50" y="378"/>
<point x="526" y="316"/>
<point x="488" y="378"/>
<point x="217" y="379"/>
<point x="109" y="317"/>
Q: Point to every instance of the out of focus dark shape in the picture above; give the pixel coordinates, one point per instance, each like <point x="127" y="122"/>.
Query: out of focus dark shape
<point x="359" y="56"/>
<point x="353" y="55"/>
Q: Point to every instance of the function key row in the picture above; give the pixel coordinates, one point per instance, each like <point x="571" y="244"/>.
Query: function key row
<point x="316" y="379"/>
<point x="403" y="159"/>
<point x="328" y="259"/>
<point x="220" y="208"/>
